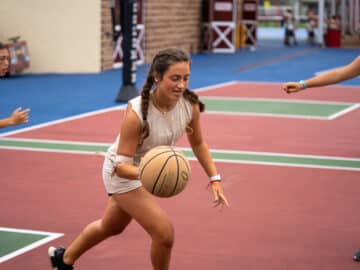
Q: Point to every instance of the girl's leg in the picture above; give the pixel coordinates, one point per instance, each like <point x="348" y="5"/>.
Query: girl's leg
<point x="142" y="206"/>
<point x="113" y="222"/>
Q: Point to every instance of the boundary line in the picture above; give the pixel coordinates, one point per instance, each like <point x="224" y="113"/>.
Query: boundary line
<point x="340" y="113"/>
<point x="261" y="158"/>
<point x="51" y="236"/>
<point x="269" y="114"/>
<point x="119" y="107"/>
<point x="353" y="106"/>
<point x="311" y="101"/>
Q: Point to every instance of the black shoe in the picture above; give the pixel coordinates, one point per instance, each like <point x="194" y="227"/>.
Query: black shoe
<point x="56" y="258"/>
<point x="356" y="256"/>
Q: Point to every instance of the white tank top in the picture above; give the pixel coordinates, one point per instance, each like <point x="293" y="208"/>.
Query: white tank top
<point x="165" y="128"/>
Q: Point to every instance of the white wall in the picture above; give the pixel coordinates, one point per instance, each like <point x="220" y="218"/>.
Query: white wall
<point x="62" y="36"/>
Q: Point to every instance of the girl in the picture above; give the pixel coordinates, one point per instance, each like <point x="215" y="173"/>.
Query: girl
<point x="164" y="111"/>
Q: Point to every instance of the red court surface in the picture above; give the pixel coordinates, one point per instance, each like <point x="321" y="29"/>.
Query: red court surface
<point x="273" y="90"/>
<point x="336" y="137"/>
<point x="280" y="217"/>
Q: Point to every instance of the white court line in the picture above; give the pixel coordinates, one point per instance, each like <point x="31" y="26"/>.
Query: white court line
<point x="240" y="161"/>
<point x="340" y="113"/>
<point x="185" y="149"/>
<point x="51" y="236"/>
<point x="281" y="100"/>
<point x="283" y="164"/>
<point x="208" y="88"/>
<point x="274" y="154"/>
<point x="24" y="148"/>
<point x="58" y="141"/>
<point x="70" y="118"/>
<point x="269" y="114"/>
<point x="202" y="89"/>
<point x="82" y="115"/>
<point x="331" y="117"/>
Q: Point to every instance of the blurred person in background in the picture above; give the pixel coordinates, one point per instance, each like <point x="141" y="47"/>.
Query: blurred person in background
<point x="18" y="116"/>
<point x="4" y="60"/>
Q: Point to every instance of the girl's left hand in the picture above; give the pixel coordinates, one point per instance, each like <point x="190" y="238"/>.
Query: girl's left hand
<point x="219" y="197"/>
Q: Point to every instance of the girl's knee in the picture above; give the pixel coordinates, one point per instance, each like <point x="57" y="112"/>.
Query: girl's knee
<point x="164" y="235"/>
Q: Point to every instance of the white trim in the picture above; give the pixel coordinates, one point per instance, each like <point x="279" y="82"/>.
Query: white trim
<point x="51" y="236"/>
<point x="338" y="114"/>
<point x="239" y="161"/>
<point x="279" y="164"/>
<point x="139" y="50"/>
<point x="281" y="100"/>
<point x="82" y="115"/>
<point x="222" y="36"/>
<point x="268" y="115"/>
<point x="70" y="118"/>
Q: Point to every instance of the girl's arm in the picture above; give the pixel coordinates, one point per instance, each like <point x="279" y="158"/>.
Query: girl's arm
<point x="202" y="153"/>
<point x="129" y="139"/>
<point x="331" y="77"/>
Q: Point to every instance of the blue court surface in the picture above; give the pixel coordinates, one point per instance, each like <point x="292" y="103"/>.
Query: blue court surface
<point x="55" y="96"/>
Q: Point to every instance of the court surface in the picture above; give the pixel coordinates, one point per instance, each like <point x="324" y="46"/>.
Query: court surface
<point x="290" y="165"/>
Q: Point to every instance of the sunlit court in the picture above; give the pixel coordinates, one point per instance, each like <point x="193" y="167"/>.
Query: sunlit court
<point x="289" y="163"/>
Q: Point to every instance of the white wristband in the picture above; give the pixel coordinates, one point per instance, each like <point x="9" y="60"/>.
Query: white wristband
<point x="303" y="84"/>
<point x="215" y="178"/>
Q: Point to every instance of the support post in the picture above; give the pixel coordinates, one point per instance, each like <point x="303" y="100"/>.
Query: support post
<point x="128" y="21"/>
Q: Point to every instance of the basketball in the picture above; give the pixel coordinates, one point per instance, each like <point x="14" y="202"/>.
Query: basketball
<point x="164" y="171"/>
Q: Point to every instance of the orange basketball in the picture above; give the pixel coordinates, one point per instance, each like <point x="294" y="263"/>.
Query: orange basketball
<point x="164" y="171"/>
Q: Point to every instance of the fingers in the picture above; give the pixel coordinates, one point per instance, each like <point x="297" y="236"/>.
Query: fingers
<point x="23" y="116"/>
<point x="220" y="199"/>
<point x="291" y="87"/>
<point x="26" y="111"/>
<point x="288" y="89"/>
<point x="224" y="200"/>
<point x="17" y="110"/>
<point x="20" y="116"/>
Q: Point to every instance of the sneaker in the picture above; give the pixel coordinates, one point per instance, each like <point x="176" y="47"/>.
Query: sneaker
<point x="56" y="258"/>
<point x="356" y="256"/>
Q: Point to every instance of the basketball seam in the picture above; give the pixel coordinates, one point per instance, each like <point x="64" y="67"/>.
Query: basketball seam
<point x="143" y="167"/>
<point x="177" y="174"/>
<point x="186" y="164"/>
<point x="157" y="179"/>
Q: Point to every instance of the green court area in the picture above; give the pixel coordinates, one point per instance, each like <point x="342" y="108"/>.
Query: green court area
<point x="14" y="242"/>
<point x="246" y="157"/>
<point x="276" y="107"/>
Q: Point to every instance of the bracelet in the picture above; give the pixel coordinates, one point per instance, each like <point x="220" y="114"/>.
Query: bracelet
<point x="303" y="84"/>
<point x="215" y="181"/>
<point x="215" y="178"/>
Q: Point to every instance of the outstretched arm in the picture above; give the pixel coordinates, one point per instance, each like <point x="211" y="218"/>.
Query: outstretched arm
<point x="17" y="117"/>
<point x="331" y="77"/>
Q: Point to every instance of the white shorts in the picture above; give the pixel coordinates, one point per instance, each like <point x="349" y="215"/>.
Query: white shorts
<point x="115" y="184"/>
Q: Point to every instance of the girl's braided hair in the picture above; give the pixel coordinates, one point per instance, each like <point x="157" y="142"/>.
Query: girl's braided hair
<point x="160" y="64"/>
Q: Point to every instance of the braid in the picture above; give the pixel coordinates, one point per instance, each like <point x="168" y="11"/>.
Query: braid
<point x="145" y="97"/>
<point x="194" y="99"/>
